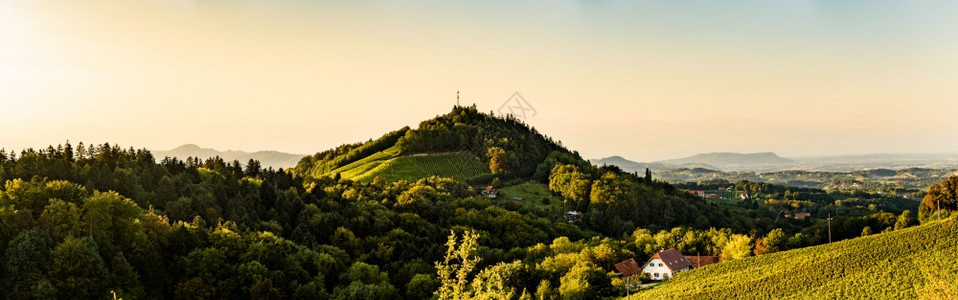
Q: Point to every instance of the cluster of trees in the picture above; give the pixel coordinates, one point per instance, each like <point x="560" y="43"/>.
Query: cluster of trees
<point x="941" y="197"/>
<point x="689" y="241"/>
<point x="616" y="202"/>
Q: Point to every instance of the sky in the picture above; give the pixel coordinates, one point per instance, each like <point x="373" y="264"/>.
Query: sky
<point x="646" y="80"/>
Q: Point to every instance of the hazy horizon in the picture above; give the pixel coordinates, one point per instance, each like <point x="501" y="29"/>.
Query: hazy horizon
<point x="643" y="80"/>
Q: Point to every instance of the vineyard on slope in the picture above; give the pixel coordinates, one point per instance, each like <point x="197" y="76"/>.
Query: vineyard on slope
<point x="459" y="165"/>
<point x="917" y="262"/>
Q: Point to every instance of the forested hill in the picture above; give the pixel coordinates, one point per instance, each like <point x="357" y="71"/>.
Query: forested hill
<point x="464" y="144"/>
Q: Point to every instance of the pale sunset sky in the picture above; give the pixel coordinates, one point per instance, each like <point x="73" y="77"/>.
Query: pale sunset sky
<point x="646" y="80"/>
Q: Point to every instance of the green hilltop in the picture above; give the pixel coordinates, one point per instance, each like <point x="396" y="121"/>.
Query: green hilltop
<point x="917" y="262"/>
<point x="464" y="144"/>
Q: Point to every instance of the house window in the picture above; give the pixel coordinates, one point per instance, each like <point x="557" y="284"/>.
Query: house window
<point x="656" y="275"/>
<point x="660" y="264"/>
<point x="652" y="264"/>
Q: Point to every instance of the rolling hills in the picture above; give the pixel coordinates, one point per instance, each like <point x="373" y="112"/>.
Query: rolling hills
<point x="719" y="161"/>
<point x="771" y="162"/>
<point x="273" y="159"/>
<point x="917" y="262"/>
<point x="734" y="161"/>
<point x="631" y="166"/>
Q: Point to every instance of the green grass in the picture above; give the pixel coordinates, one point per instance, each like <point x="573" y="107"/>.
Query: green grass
<point x="918" y="262"/>
<point x="725" y="203"/>
<point x="366" y="164"/>
<point x="389" y="166"/>
<point x="528" y="191"/>
<point x="532" y="193"/>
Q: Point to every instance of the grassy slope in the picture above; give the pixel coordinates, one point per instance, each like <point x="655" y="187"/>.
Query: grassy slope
<point x="532" y="194"/>
<point x="918" y="262"/>
<point x="457" y="165"/>
<point x="389" y="165"/>
<point x="362" y="166"/>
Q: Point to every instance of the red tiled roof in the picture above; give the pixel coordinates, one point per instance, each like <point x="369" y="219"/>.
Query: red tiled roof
<point x="628" y="267"/>
<point x="673" y="259"/>
<point x="699" y="261"/>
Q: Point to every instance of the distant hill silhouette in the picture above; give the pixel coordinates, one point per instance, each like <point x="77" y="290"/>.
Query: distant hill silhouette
<point x="733" y="161"/>
<point x="771" y="162"/>
<point x="719" y="161"/>
<point x="632" y="166"/>
<point x="274" y="159"/>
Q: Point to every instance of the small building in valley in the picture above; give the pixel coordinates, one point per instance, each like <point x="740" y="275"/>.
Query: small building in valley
<point x="626" y="269"/>
<point x="489" y="192"/>
<point x="573" y="216"/>
<point x="665" y="264"/>
<point x="797" y="215"/>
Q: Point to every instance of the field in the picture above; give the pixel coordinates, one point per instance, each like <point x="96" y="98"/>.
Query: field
<point x="532" y="194"/>
<point x="917" y="262"/>
<point x="366" y="164"/>
<point x="412" y="167"/>
<point x="389" y="165"/>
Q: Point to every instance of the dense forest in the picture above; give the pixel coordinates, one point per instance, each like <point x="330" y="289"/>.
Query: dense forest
<point x="94" y="220"/>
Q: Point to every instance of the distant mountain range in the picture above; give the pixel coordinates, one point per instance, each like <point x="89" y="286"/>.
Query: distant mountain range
<point x="632" y="166"/>
<point x="721" y="161"/>
<point x="731" y="161"/>
<point x="274" y="159"/>
<point x="770" y="162"/>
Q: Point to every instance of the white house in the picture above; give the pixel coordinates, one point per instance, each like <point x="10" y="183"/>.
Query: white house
<point x="665" y="264"/>
<point x="489" y="192"/>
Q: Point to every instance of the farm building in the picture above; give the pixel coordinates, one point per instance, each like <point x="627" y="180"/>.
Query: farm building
<point x="665" y="264"/>
<point x="489" y="192"/>
<point x="573" y="216"/>
<point x="626" y="269"/>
